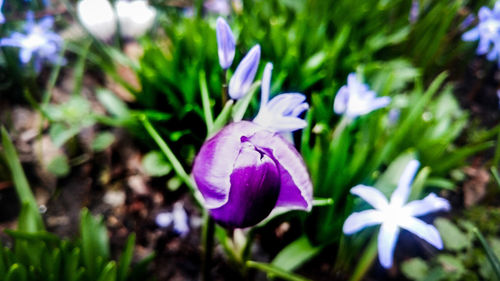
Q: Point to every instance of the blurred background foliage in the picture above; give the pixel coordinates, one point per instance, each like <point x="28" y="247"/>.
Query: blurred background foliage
<point x="412" y="56"/>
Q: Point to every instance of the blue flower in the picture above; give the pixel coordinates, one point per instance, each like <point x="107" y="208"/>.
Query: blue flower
<point x="355" y="99"/>
<point x="225" y="43"/>
<point x="39" y="41"/>
<point x="243" y="77"/>
<point x="281" y="114"/>
<point x="394" y="215"/>
<point x="2" y="18"/>
<point x="178" y="218"/>
<point x="487" y="32"/>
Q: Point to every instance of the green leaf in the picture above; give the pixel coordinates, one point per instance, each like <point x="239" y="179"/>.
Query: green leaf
<point x="295" y="254"/>
<point x="415" y="269"/>
<point x="109" y="272"/>
<point x="19" y="178"/>
<point x="60" y="134"/>
<point x="273" y="271"/>
<point x="452" y="264"/>
<point x="241" y="105"/>
<point x="113" y="104"/>
<point x="17" y="272"/>
<point x="95" y="244"/>
<point x="59" y="166"/>
<point x="453" y="238"/>
<point x="126" y="258"/>
<point x="155" y="164"/>
<point x="102" y="141"/>
<point x="492" y="258"/>
<point x="222" y="119"/>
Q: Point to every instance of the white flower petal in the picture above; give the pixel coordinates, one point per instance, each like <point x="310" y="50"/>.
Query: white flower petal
<point x="359" y="220"/>
<point x="387" y="238"/>
<point x="431" y="203"/>
<point x="423" y="230"/>
<point x="400" y="195"/>
<point x="371" y="195"/>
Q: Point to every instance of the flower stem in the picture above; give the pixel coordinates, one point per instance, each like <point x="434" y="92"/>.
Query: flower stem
<point x="205" y="99"/>
<point x="176" y="164"/>
<point x="208" y="244"/>
<point x="224" y="88"/>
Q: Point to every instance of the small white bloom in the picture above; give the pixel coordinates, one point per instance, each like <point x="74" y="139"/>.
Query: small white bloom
<point x="178" y="219"/>
<point x="135" y="17"/>
<point x="355" y="99"/>
<point x="98" y="17"/>
<point x="396" y="214"/>
<point x="280" y="114"/>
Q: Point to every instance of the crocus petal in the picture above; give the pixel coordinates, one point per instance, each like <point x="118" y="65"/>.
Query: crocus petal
<point x="135" y="17"/>
<point x="371" y="195"/>
<point x="471" y="35"/>
<point x="496" y="10"/>
<point x="210" y="173"/>
<point x="341" y="100"/>
<point x="46" y="23"/>
<point x="423" y="230"/>
<point x="359" y="220"/>
<point x="285" y="104"/>
<point x="484" y="13"/>
<point x="296" y="186"/>
<point x="431" y="203"/>
<point x="266" y="84"/>
<point x="225" y="43"/>
<point x="98" y="17"/>
<point x="255" y="185"/>
<point x="400" y="195"/>
<point x="25" y="55"/>
<point x="281" y="113"/>
<point x="243" y="77"/>
<point x="387" y="238"/>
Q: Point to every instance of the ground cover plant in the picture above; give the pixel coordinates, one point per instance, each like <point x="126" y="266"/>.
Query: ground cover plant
<point x="263" y="140"/>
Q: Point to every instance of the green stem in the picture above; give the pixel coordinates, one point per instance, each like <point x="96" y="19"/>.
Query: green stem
<point x="176" y="164"/>
<point x="224" y="88"/>
<point x="205" y="99"/>
<point x="208" y="245"/>
<point x="366" y="260"/>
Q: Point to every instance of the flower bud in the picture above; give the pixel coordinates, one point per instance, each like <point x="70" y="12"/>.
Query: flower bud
<point x="98" y="17"/>
<point x="244" y="172"/>
<point x="135" y="17"/>
<point x="243" y="77"/>
<point x="225" y="43"/>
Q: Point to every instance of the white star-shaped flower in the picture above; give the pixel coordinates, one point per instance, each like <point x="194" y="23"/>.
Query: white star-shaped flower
<point x="394" y="215"/>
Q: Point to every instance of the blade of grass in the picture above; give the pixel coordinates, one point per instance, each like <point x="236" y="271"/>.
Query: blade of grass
<point x="205" y="99"/>
<point x="492" y="258"/>
<point x="18" y="177"/>
<point x="176" y="164"/>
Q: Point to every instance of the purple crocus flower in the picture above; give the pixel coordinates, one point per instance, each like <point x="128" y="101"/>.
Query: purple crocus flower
<point x="487" y="32"/>
<point x="39" y="41"/>
<point x="281" y="114"/>
<point x="355" y="99"/>
<point x="396" y="214"/>
<point x="225" y="43"/>
<point x="245" y="73"/>
<point x="244" y="172"/>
